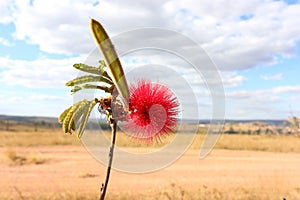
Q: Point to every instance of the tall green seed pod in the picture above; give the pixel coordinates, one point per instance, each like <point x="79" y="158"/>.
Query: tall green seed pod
<point x="111" y="59"/>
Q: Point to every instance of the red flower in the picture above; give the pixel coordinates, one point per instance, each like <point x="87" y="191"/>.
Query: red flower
<point x="154" y="110"/>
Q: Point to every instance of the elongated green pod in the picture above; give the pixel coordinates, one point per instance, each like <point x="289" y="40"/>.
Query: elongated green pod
<point x="111" y="59"/>
<point x="88" y="79"/>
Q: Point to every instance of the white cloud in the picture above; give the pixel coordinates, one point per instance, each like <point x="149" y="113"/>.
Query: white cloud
<point x="261" y="94"/>
<point x="232" y="79"/>
<point x="275" y="77"/>
<point x="36" y="104"/>
<point x="248" y="34"/>
<point x="15" y="99"/>
<point x="270" y="103"/>
<point x="45" y="97"/>
<point x="5" y="42"/>
<point x="41" y="73"/>
<point x="286" y="89"/>
<point x="5" y="11"/>
<point x="240" y="94"/>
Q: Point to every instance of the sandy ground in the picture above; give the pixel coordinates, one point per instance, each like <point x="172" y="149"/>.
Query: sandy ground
<point x="72" y="168"/>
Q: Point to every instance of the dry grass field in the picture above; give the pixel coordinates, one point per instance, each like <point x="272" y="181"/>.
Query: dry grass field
<point x="47" y="164"/>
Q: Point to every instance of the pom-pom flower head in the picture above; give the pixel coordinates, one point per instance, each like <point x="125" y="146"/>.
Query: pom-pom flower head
<point x="153" y="111"/>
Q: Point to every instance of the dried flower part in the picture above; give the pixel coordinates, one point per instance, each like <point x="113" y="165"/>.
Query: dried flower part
<point x="153" y="111"/>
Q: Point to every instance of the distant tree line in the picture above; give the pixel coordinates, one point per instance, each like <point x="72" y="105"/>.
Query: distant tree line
<point x="10" y="125"/>
<point x="289" y="127"/>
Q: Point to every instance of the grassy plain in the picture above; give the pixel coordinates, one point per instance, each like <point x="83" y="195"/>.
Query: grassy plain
<point x="47" y="164"/>
<point x="54" y="136"/>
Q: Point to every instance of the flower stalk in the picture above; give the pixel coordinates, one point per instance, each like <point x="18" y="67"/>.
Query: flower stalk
<point x="113" y="126"/>
<point x="81" y="110"/>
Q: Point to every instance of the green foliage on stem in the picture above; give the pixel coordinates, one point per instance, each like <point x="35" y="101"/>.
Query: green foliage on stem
<point x="88" y="79"/>
<point x="85" y="116"/>
<point x="93" y="70"/>
<point x="89" y="86"/>
<point x="80" y="111"/>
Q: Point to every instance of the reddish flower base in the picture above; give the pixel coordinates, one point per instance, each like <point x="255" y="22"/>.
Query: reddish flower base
<point x="154" y="110"/>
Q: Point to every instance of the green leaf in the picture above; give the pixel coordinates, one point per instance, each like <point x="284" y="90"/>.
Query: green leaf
<point x="66" y="123"/>
<point x="68" y="119"/>
<point x="63" y="115"/>
<point x="93" y="70"/>
<point x="102" y="64"/>
<point x="89" y="69"/>
<point x="87" y="79"/>
<point x="85" y="116"/>
<point x="77" y="113"/>
<point x="73" y="125"/>
<point x="89" y="86"/>
<point x="111" y="58"/>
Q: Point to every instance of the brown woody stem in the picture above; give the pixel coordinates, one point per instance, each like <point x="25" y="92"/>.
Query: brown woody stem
<point x="111" y="153"/>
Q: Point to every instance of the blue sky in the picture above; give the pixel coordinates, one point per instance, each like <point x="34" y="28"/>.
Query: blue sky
<point x="255" y="45"/>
